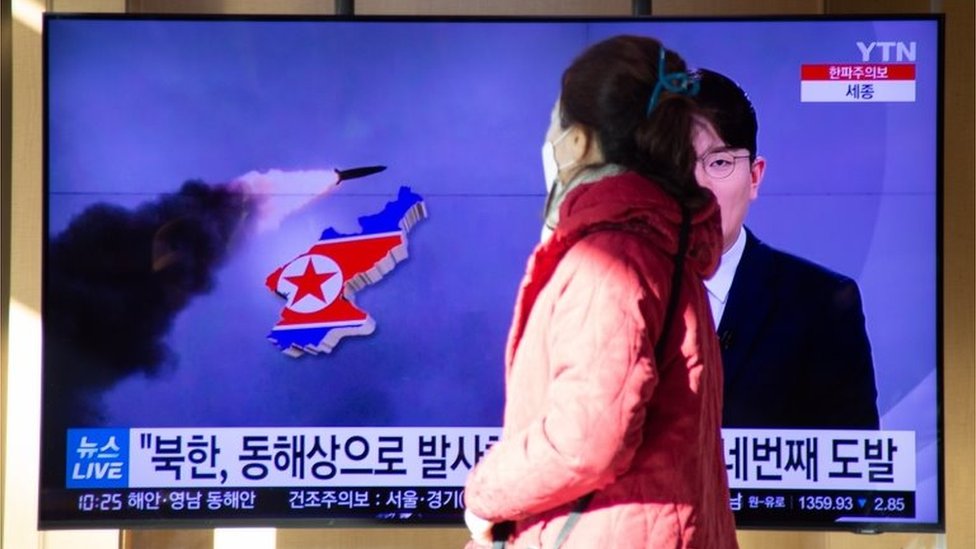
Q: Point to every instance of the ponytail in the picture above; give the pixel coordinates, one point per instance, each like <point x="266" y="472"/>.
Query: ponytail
<point x="665" y="152"/>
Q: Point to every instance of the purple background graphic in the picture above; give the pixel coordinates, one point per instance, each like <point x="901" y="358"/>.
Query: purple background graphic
<point x="458" y="111"/>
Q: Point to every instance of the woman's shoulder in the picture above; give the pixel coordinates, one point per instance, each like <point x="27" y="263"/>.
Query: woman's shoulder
<point x="615" y="254"/>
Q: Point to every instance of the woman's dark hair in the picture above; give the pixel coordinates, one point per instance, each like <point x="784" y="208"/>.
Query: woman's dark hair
<point x="607" y="89"/>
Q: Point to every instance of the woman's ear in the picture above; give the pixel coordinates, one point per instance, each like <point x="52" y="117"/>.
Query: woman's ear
<point x="584" y="146"/>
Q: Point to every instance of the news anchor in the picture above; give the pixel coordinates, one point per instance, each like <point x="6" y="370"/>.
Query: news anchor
<point x="794" y="346"/>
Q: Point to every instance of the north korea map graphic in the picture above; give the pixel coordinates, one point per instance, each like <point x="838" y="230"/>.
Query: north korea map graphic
<point x="319" y="285"/>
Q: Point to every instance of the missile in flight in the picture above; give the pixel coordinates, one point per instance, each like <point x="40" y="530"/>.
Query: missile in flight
<point x="355" y="173"/>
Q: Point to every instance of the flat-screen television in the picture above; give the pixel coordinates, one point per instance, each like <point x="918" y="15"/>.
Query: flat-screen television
<point x="281" y="256"/>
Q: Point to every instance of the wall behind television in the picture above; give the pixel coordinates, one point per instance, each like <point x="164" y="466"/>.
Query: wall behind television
<point x="20" y="230"/>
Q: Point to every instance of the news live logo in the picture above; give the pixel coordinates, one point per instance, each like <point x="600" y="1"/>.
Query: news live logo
<point x="97" y="458"/>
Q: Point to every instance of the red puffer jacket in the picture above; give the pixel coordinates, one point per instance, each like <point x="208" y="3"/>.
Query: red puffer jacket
<point x="588" y="408"/>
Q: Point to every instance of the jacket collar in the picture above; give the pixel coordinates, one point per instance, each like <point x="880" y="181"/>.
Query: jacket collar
<point x="588" y="175"/>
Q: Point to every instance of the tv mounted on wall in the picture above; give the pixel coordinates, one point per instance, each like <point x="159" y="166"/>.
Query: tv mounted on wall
<point x="281" y="254"/>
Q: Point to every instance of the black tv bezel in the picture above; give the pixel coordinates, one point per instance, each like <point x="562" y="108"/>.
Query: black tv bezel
<point x="866" y="527"/>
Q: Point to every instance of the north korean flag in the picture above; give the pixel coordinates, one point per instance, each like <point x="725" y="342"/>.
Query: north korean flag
<point x="319" y="284"/>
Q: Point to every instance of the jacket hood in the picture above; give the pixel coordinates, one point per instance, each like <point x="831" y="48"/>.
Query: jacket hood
<point x="629" y="201"/>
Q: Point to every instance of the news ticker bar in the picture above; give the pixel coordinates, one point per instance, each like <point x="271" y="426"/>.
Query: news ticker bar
<point x="443" y="456"/>
<point x="765" y="506"/>
<point x="399" y="504"/>
<point x="423" y="504"/>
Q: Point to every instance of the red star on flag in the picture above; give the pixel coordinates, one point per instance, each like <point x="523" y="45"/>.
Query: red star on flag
<point x="309" y="283"/>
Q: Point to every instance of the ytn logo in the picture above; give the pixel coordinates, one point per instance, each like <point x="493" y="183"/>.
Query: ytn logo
<point x="904" y="51"/>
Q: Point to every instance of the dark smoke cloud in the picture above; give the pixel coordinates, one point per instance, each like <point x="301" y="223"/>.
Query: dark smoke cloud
<point x="116" y="279"/>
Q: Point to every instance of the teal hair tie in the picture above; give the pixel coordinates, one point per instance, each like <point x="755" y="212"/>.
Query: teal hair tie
<point x="675" y="82"/>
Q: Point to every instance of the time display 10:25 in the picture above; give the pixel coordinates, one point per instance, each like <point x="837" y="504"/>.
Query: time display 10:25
<point x="100" y="502"/>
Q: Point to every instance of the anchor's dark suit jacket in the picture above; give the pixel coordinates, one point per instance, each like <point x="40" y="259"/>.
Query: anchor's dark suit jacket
<point x="794" y="346"/>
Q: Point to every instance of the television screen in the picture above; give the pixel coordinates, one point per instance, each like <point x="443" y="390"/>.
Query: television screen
<point x="281" y="257"/>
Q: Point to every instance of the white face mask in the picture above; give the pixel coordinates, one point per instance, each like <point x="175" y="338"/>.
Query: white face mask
<point x="550" y="168"/>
